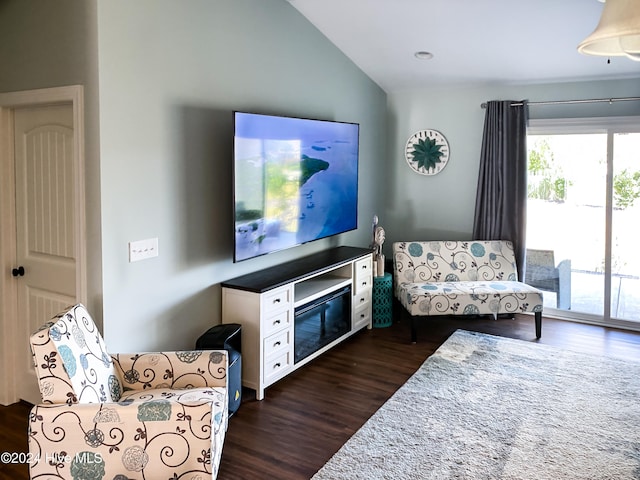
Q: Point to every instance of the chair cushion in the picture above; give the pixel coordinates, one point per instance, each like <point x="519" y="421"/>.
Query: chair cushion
<point x="168" y="403"/>
<point x="72" y="361"/>
<point x="469" y="298"/>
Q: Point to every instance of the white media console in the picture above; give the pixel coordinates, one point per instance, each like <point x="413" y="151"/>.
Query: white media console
<point x="294" y="312"/>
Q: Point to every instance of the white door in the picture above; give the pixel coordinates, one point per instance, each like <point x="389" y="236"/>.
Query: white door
<point x="45" y="215"/>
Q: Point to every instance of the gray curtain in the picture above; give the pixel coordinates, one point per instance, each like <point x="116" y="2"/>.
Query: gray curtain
<point x="501" y="197"/>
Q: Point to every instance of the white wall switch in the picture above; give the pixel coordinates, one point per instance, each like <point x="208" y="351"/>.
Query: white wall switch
<point x="143" y="249"/>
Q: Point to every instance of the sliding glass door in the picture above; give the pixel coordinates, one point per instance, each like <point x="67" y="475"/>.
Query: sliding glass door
<point x="625" y="257"/>
<point x="583" y="210"/>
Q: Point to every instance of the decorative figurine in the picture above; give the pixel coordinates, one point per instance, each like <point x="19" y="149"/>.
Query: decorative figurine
<point x="378" y="240"/>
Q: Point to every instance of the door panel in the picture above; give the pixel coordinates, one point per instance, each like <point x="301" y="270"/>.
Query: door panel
<point x="45" y="212"/>
<point x="566" y="219"/>
<point x="625" y="263"/>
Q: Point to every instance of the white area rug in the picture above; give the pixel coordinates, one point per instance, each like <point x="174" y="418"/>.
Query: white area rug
<point x="485" y="407"/>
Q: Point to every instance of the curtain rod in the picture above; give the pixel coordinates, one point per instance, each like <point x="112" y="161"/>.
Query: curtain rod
<point x="566" y="102"/>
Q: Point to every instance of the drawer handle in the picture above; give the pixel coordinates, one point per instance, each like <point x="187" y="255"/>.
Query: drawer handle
<point x="277" y="322"/>
<point x="277" y="365"/>
<point x="277" y="300"/>
<point x="364" y="284"/>
<point x="362" y="300"/>
<point x="362" y="315"/>
<point x="277" y="344"/>
<point x="364" y="267"/>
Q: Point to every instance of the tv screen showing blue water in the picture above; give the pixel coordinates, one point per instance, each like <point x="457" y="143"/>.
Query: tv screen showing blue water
<point x="295" y="181"/>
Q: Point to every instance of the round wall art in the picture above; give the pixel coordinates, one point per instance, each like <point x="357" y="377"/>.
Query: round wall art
<point x="427" y="152"/>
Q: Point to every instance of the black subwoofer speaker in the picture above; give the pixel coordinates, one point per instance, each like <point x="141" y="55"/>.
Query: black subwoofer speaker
<point x="227" y="336"/>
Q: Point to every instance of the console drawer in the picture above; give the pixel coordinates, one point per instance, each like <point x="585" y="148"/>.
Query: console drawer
<point x="363" y="283"/>
<point x="276" y="300"/>
<point x="276" y="342"/>
<point x="276" y="322"/>
<point x="362" y="316"/>
<point x="363" y="267"/>
<point x="276" y="366"/>
<point x="362" y="298"/>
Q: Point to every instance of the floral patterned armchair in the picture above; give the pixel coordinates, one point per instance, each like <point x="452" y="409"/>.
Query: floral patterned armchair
<point x="126" y="416"/>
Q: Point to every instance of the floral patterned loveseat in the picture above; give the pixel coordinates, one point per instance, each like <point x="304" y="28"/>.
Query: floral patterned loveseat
<point x="461" y="278"/>
<point x="127" y="416"/>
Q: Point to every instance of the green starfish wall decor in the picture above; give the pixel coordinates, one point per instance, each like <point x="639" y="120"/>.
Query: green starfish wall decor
<point x="427" y="152"/>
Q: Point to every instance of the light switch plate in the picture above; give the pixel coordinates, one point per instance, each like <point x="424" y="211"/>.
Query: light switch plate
<point x="143" y="249"/>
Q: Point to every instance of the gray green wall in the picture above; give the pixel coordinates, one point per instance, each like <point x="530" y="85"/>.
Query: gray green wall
<point x="43" y="43"/>
<point x="48" y="44"/>
<point x="158" y="139"/>
<point x="441" y="207"/>
<point x="170" y="75"/>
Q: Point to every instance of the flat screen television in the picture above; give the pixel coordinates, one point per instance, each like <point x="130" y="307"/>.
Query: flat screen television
<point x="295" y="181"/>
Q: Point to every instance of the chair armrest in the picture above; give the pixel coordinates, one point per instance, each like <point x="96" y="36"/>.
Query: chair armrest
<point x="186" y="369"/>
<point x="564" y="275"/>
<point x="564" y="267"/>
<point x="564" y="284"/>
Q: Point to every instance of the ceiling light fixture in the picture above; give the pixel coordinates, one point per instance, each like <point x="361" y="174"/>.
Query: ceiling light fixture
<point x="422" y="55"/>
<point x="617" y="33"/>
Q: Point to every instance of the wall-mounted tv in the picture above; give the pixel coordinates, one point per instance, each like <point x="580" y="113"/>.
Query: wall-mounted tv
<point x="295" y="181"/>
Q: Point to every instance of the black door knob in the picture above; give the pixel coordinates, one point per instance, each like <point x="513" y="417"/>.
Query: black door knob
<point x="18" y="272"/>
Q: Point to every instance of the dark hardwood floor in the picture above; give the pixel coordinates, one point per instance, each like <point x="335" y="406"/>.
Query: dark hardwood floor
<point x="13" y="439"/>
<point x="306" y="417"/>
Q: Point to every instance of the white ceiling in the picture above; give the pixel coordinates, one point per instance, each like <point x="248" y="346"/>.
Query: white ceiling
<point x="473" y="41"/>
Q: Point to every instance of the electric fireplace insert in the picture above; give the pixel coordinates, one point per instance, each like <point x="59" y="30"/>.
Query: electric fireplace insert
<point x="321" y="321"/>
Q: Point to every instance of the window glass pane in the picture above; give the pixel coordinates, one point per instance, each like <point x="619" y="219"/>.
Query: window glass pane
<point x="625" y="261"/>
<point x="566" y="217"/>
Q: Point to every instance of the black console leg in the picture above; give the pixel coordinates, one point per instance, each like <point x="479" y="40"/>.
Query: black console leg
<point x="538" y="324"/>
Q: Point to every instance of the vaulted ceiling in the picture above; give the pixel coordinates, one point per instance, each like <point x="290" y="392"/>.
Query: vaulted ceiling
<point x="472" y="41"/>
